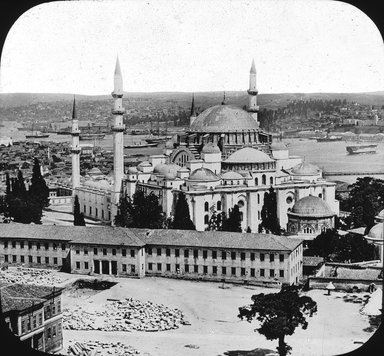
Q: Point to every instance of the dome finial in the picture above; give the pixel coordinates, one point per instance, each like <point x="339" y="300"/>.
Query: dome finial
<point x="193" y="110"/>
<point x="223" y="102"/>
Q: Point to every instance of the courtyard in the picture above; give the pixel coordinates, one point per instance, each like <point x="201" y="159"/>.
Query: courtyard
<point x="212" y="326"/>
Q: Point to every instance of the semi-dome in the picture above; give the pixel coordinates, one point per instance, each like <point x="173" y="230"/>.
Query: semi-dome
<point x="224" y="118"/>
<point x="248" y="155"/>
<point x="376" y="232"/>
<point x="232" y="175"/>
<point x="203" y="175"/>
<point x="210" y="147"/>
<point x="164" y="168"/>
<point x="305" y="169"/>
<point x="311" y="206"/>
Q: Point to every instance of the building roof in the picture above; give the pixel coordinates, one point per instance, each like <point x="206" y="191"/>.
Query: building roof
<point x="248" y="155"/>
<point x="376" y="232"/>
<point x="311" y="206"/>
<point x="97" y="235"/>
<point x="224" y="118"/>
<point x="18" y="297"/>
<point x="221" y="239"/>
<point x="232" y="175"/>
<point x="164" y="168"/>
<point x="203" y="175"/>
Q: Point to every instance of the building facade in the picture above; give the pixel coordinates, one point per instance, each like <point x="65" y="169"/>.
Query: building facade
<point x="210" y="255"/>
<point x="33" y="314"/>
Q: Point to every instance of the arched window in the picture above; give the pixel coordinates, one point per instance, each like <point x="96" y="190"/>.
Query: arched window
<point x="258" y="198"/>
<point x="256" y="181"/>
<point x="206" y="219"/>
<point x="219" y="205"/>
<point x="320" y="195"/>
<point x="206" y="206"/>
<point x="240" y="203"/>
<point x="263" y="179"/>
<point x="271" y="180"/>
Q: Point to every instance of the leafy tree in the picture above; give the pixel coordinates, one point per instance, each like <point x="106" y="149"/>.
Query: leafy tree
<point x="78" y="217"/>
<point x="181" y="219"/>
<point x="142" y="211"/>
<point x="38" y="189"/>
<point x="269" y="221"/>
<point x="366" y="199"/>
<point x="279" y="314"/>
<point x="215" y="222"/>
<point x="233" y="222"/>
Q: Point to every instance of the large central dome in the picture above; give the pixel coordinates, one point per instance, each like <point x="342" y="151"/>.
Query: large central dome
<point x="224" y="118"/>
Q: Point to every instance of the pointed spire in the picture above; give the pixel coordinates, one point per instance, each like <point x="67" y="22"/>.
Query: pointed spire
<point x="193" y="109"/>
<point x="253" y="67"/>
<point x="223" y="102"/>
<point x="118" y="79"/>
<point x="74" y="114"/>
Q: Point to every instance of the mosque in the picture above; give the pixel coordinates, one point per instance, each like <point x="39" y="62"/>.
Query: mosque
<point x="222" y="159"/>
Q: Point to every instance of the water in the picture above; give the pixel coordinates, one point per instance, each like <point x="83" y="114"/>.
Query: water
<point x="329" y="156"/>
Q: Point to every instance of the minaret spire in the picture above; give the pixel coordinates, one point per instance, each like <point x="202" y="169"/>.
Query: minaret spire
<point x="253" y="108"/>
<point x="118" y="139"/>
<point x="223" y="102"/>
<point x="75" y="149"/>
<point x="193" y="111"/>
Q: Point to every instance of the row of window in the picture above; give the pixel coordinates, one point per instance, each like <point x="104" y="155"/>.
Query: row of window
<point x="53" y="331"/>
<point x="31" y="322"/>
<point x="47" y="260"/>
<point x="51" y="309"/>
<point x="97" y="212"/>
<point x="214" y="270"/>
<point x="214" y="254"/>
<point x="123" y="267"/>
<point x="31" y="244"/>
<point x="104" y="251"/>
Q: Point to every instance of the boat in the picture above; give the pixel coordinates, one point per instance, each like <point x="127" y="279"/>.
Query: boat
<point x="37" y="134"/>
<point x="361" y="148"/>
<point x="91" y="136"/>
<point x="329" y="138"/>
<point x="157" y="140"/>
<point x="140" y="145"/>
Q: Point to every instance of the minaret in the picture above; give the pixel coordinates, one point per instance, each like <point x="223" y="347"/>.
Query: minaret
<point x="193" y="111"/>
<point x="224" y="102"/>
<point x="75" y="150"/>
<point x="252" y="92"/>
<point x="118" y="139"/>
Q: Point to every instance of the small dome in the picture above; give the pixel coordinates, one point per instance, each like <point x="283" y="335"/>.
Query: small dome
<point x="143" y="164"/>
<point x="305" y="169"/>
<point x="376" y="232"/>
<point x="248" y="155"/>
<point x="210" y="147"/>
<point x="232" y="175"/>
<point x="224" y="118"/>
<point x="311" y="206"/>
<point x="380" y="216"/>
<point x="169" y="144"/>
<point x="204" y="175"/>
<point x="278" y="146"/>
<point x="132" y="170"/>
<point x="169" y="176"/>
<point x="95" y="171"/>
<point x="163" y="168"/>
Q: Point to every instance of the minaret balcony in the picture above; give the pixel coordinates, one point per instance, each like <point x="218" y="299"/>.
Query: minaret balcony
<point x="75" y="150"/>
<point x="252" y="91"/>
<point x="75" y="132"/>
<point x="120" y="128"/>
<point x="117" y="94"/>
<point x="119" y="111"/>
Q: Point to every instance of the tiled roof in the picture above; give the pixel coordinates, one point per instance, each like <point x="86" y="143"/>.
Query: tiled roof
<point x="75" y="234"/>
<point x="221" y="239"/>
<point x="19" y="296"/>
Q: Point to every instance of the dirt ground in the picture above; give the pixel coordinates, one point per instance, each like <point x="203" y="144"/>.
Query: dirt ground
<point x="215" y="328"/>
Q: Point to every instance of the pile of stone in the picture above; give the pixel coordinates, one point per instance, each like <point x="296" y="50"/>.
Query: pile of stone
<point x="35" y="276"/>
<point x="125" y="315"/>
<point x="98" y="348"/>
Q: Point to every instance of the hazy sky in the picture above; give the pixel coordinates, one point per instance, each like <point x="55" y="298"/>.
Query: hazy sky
<point x="194" y="45"/>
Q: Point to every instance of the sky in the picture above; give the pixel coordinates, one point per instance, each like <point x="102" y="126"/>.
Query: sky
<point x="193" y="46"/>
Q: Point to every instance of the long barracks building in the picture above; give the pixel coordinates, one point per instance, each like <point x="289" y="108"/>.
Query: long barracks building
<point x="258" y="259"/>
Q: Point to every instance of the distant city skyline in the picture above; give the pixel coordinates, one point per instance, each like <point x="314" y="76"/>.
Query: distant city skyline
<point x="193" y="46"/>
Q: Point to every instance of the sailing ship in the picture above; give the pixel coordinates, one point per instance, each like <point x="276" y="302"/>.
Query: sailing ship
<point x="36" y="134"/>
<point x="91" y="136"/>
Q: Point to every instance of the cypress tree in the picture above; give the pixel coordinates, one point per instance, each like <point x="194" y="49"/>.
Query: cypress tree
<point x="38" y="189"/>
<point x="78" y="218"/>
<point x="269" y="219"/>
<point x="182" y="218"/>
<point x="233" y="222"/>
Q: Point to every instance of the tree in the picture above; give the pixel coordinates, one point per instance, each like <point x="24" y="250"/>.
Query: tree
<point x="279" y="314"/>
<point x="366" y="199"/>
<point x="181" y="218"/>
<point x="142" y="211"/>
<point x="269" y="221"/>
<point x="215" y="222"/>
<point x="78" y="217"/>
<point x="233" y="222"/>
<point x="38" y="189"/>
